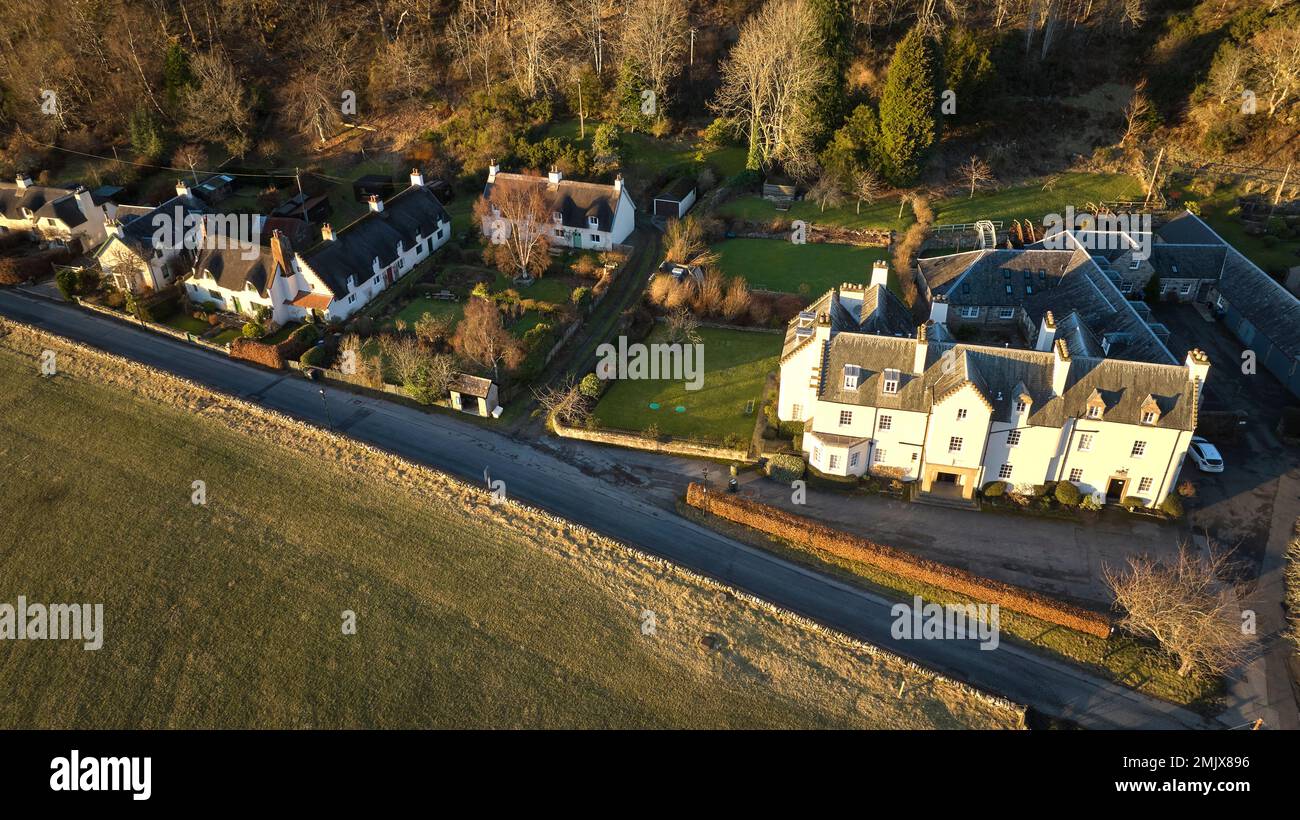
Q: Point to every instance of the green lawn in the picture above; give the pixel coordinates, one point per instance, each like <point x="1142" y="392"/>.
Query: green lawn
<point x="1277" y="255"/>
<point x="229" y="614"/>
<point x="644" y="156"/>
<point x="810" y="269"/>
<point x="419" y="307"/>
<point x="1028" y="201"/>
<point x="186" y="323"/>
<point x="556" y="290"/>
<point x="226" y="336"/>
<point x="736" y="363"/>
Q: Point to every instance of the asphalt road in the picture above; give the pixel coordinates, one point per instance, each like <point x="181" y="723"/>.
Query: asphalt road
<point x="535" y="475"/>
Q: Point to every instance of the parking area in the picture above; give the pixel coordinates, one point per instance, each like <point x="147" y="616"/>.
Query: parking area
<point x="1235" y="506"/>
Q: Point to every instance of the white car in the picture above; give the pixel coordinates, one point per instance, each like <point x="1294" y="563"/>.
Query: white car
<point x="1206" y="455"/>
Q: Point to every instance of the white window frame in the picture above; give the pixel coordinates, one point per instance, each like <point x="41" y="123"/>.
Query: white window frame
<point x="1004" y="472"/>
<point x="1013" y="438"/>
<point x="1006" y="313"/>
<point x="1149" y="417"/>
<point x="886" y="422"/>
<point x="846" y="418"/>
<point x="1139" y="449"/>
<point x="969" y="312"/>
<point x="1144" y="484"/>
<point x="1085" y="442"/>
<point x="1076" y="475"/>
<point x="955" y="443"/>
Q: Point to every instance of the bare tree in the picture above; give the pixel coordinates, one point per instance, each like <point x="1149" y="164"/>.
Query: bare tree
<point x="684" y="241"/>
<point x="218" y="106"/>
<point x="867" y="188"/>
<point x="683" y="326"/>
<point x="533" y="43"/>
<point x="189" y="155"/>
<point x="827" y="190"/>
<point x="1137" y="114"/>
<point x="1187" y="606"/>
<point x="563" y="402"/>
<point x="977" y="174"/>
<point x="738" y="299"/>
<point x="483" y="339"/>
<point x="769" y="82"/>
<point x="1277" y="62"/>
<point x="518" y="222"/>
<point x="590" y="20"/>
<point x="654" y="37"/>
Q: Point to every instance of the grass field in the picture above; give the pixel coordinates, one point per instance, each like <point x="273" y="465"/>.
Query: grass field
<point x="810" y="269"/>
<point x="736" y="363"/>
<point x="419" y="307"/>
<point x="186" y="323"/>
<point x="229" y="614"/>
<point x="644" y="156"/>
<point x="1028" y="201"/>
<point x="1121" y="658"/>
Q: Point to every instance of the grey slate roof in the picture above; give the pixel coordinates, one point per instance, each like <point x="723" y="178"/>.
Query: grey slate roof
<point x="1172" y="261"/>
<point x="1188" y="229"/>
<point x="1266" y="304"/>
<point x="873" y="309"/>
<point x="33" y="198"/>
<point x="576" y="201"/>
<point x="233" y="271"/>
<point x="1002" y="277"/>
<point x="411" y="214"/>
<point x="998" y="373"/>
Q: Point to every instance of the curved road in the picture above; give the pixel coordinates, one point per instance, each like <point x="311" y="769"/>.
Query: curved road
<point x="536" y="475"/>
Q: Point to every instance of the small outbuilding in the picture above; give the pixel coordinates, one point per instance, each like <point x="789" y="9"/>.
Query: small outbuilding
<point x="674" y="201"/>
<point x="474" y="395"/>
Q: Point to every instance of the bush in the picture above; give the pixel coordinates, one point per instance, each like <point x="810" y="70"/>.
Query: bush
<point x="1068" y="494"/>
<point x="580" y="297"/>
<point x="251" y="330"/>
<point x="66" y="279"/>
<point x="591" y="386"/>
<point x="785" y="467"/>
<point x="995" y="489"/>
<point x="1172" y="506"/>
<point x="318" y="356"/>
<point x="1090" y="503"/>
<point x="1186" y="489"/>
<point x="1132" y="502"/>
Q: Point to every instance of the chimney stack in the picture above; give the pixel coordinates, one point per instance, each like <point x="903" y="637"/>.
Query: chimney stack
<point x="1046" y="333"/>
<point x="1198" y="367"/>
<point x="939" y="309"/>
<point x="880" y="273"/>
<point x="376" y="204"/>
<point x="922" y="348"/>
<point x="417" y="178"/>
<point x="1060" y="367"/>
<point x="181" y="188"/>
<point x="618" y="184"/>
<point x="493" y="170"/>
<point x="112" y="228"/>
<point x="555" y="176"/>
<point x="24" y="181"/>
<point x="326" y="232"/>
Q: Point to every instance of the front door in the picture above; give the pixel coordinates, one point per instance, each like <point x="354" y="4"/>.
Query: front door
<point x="234" y="300"/>
<point x="576" y="238"/>
<point x="1115" y="489"/>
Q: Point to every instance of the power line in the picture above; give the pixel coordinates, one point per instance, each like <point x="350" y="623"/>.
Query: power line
<point x="275" y="174"/>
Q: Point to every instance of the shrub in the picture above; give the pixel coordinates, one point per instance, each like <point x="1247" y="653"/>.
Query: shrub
<point x="1132" y="502"/>
<point x="257" y="352"/>
<point x="785" y="467"/>
<point x="1172" y="506"/>
<point x="1186" y="489"/>
<point x="318" y="356"/>
<point x="806" y="531"/>
<point x="591" y="386"/>
<point x="1090" y="503"/>
<point x="995" y="489"/>
<point x="251" y="330"/>
<point x="580" y="297"/>
<point x="1068" y="494"/>
<point x="66" y="279"/>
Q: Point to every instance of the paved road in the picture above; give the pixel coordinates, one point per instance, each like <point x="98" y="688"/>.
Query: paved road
<point x="536" y="475"/>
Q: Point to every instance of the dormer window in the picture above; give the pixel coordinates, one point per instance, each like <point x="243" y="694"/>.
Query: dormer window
<point x="1094" y="412"/>
<point x="889" y="384"/>
<point x="851" y="375"/>
<point x="1021" y="406"/>
<point x="593" y="221"/>
<point x="1149" y="417"/>
<point x="557" y="216"/>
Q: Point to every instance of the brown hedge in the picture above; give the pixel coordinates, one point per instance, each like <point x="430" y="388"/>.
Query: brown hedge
<point x="801" y="530"/>
<point x="257" y="352"/>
